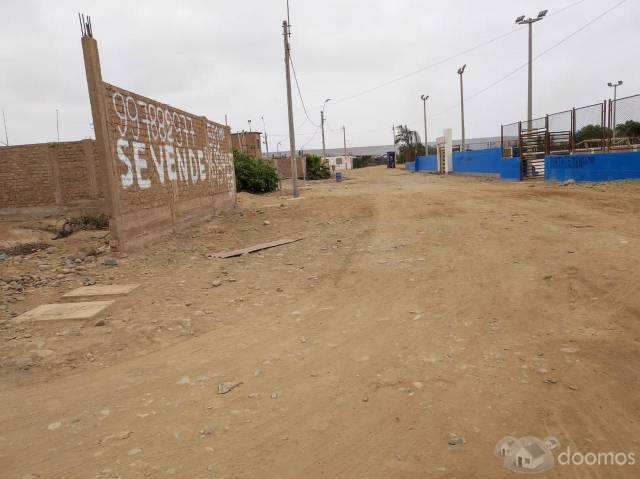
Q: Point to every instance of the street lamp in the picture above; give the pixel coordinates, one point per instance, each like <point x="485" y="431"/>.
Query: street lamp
<point x="615" y="86"/>
<point x="460" y="72"/>
<point x="521" y="20"/>
<point x="266" y="141"/>
<point x="324" y="152"/>
<point x="424" y="99"/>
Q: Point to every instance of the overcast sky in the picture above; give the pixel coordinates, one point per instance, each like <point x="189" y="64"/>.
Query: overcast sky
<point x="226" y="57"/>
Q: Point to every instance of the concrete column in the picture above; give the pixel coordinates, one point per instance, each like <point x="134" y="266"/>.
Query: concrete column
<point x="104" y="142"/>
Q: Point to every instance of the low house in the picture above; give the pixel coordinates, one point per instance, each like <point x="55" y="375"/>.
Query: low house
<point x="247" y="142"/>
<point x="530" y="456"/>
<point x="340" y="163"/>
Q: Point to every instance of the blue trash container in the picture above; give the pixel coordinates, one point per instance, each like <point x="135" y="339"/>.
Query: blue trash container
<point x="338" y="176"/>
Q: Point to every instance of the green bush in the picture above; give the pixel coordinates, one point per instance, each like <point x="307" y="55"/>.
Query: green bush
<point x="253" y="175"/>
<point x="315" y="169"/>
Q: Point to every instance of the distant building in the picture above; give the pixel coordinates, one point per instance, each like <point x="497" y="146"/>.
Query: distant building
<point x="340" y="163"/>
<point x="247" y="142"/>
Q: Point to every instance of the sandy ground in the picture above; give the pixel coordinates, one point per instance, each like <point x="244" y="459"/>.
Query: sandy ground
<point x="415" y="308"/>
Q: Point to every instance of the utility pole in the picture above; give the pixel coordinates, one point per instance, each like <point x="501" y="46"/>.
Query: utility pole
<point x="58" y="125"/>
<point x="249" y="125"/>
<point x="266" y="140"/>
<point x="6" y="136"/>
<point x="344" y="138"/>
<point x="292" y="134"/>
<point x="424" y="99"/>
<point x="615" y="86"/>
<point x="324" y="150"/>
<point x="521" y="20"/>
<point x="460" y="72"/>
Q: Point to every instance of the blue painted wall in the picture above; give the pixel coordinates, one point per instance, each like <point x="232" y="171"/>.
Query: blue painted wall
<point x="595" y="167"/>
<point x="510" y="169"/>
<point x="411" y="166"/>
<point x="426" y="163"/>
<point x="483" y="162"/>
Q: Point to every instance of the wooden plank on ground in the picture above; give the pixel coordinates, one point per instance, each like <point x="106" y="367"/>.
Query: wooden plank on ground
<point x="251" y="249"/>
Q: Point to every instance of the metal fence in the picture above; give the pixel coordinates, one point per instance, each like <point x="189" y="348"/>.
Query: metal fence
<point x="481" y="144"/>
<point x="589" y="132"/>
<point x="624" y="123"/>
<point x="605" y="126"/>
<point x="560" y="128"/>
<point x="510" y="137"/>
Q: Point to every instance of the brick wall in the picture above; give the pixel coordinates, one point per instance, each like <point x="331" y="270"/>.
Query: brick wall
<point x="247" y="142"/>
<point x="172" y="168"/>
<point x="283" y="165"/>
<point x="50" y="178"/>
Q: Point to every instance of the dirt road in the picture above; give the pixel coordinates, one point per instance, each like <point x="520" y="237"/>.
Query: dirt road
<point x="417" y="308"/>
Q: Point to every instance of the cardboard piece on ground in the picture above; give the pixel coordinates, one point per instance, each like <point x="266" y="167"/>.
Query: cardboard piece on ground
<point x="251" y="249"/>
<point x="101" y="290"/>
<point x="50" y="312"/>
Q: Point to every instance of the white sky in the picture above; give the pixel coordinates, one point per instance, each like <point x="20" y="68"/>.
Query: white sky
<point x="226" y="57"/>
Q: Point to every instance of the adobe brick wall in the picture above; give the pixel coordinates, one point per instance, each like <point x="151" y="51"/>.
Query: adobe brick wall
<point x="171" y="168"/>
<point x="48" y="178"/>
<point x="283" y="165"/>
<point x="247" y="142"/>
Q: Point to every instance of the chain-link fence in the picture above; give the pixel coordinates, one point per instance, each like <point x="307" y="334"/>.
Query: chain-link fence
<point x="560" y="127"/>
<point x="589" y="129"/>
<point x="510" y="136"/>
<point x="624" y="123"/>
<point x="481" y="144"/>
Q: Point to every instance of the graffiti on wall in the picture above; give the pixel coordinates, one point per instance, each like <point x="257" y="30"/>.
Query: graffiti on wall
<point x="158" y="143"/>
<point x="573" y="162"/>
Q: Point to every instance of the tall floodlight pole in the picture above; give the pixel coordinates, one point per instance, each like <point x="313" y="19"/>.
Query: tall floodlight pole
<point x="521" y="20"/>
<point x="324" y="150"/>
<point x="266" y="140"/>
<point x="292" y="134"/>
<point x="460" y="72"/>
<point x="424" y="99"/>
<point x="615" y="86"/>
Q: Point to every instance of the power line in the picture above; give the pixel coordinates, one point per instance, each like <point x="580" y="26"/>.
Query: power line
<point x="536" y="57"/>
<point x="304" y="107"/>
<point x="444" y="60"/>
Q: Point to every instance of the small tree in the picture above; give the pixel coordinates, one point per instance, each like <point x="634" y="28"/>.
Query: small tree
<point x="316" y="170"/>
<point x="408" y="141"/>
<point x="591" y="132"/>
<point x="253" y="175"/>
<point x="629" y="129"/>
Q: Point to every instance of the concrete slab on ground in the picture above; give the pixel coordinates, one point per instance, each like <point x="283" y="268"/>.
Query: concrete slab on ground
<point x="50" y="312"/>
<point x="102" y="290"/>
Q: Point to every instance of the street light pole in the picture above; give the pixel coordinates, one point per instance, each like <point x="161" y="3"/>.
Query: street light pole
<point x="424" y="99"/>
<point x="249" y="125"/>
<point x="460" y="72"/>
<point x="521" y="20"/>
<point x="266" y="140"/>
<point x="615" y="86"/>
